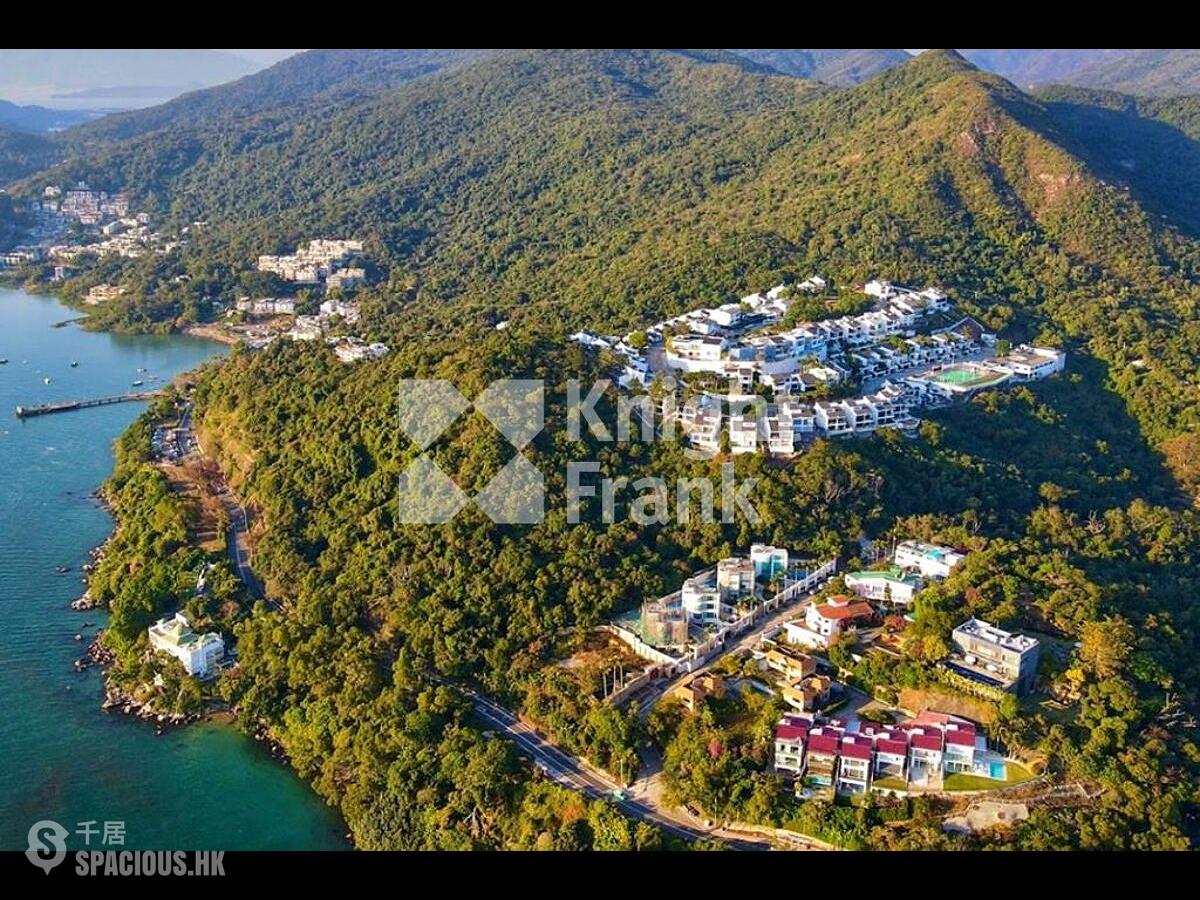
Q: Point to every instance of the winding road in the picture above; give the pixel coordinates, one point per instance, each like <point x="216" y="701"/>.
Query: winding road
<point x="238" y="536"/>
<point x="577" y="775"/>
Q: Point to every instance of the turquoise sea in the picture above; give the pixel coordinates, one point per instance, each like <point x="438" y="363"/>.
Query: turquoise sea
<point x="205" y="786"/>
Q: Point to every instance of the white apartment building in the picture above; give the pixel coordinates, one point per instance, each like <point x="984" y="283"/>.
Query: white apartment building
<point x="702" y="600"/>
<point x="833" y="417"/>
<point x="701" y="423"/>
<point x="743" y="432"/>
<point x="735" y="579"/>
<point x="1009" y="659"/>
<point x="348" y="311"/>
<point x="696" y="353"/>
<point x="1032" y="363"/>
<point x="768" y="561"/>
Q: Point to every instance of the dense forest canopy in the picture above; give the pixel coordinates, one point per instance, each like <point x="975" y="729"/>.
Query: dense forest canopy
<point x="556" y="190"/>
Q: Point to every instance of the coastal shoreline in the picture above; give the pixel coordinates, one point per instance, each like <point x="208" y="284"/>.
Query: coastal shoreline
<point x="211" y="331"/>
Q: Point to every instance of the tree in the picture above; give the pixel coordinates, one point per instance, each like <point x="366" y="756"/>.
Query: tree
<point x="1106" y="646"/>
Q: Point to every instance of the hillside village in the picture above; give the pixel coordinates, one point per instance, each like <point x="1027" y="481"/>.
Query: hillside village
<point x="907" y="352"/>
<point x="780" y="616"/>
<point x="76" y="224"/>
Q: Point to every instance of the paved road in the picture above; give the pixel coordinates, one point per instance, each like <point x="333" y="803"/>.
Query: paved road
<point x="577" y="775"/>
<point x="238" y="536"/>
<point x="239" y="545"/>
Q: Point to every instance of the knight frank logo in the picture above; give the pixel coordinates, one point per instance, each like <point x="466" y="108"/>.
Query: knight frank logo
<point x="515" y="495"/>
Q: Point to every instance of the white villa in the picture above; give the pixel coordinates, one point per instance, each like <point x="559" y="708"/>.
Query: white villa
<point x="199" y="653"/>
<point x="930" y="560"/>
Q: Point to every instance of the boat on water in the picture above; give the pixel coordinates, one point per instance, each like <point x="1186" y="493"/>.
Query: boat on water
<point x="74" y="363"/>
<point x="138" y="383"/>
<point x="3" y="362"/>
<point x="45" y="381"/>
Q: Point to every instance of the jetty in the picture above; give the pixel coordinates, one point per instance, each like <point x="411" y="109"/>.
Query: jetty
<point x="25" y="412"/>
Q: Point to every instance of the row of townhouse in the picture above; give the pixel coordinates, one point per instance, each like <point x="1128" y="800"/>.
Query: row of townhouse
<point x="20" y="256"/>
<point x="267" y="306"/>
<point x="919" y="352"/>
<point x="851" y="757"/>
<point x="783" y="428"/>
<point x="711" y="339"/>
<point x="889" y="407"/>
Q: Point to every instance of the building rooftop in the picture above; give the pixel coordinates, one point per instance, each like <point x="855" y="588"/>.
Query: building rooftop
<point x="843" y="608"/>
<point x="790" y="732"/>
<point x="984" y="631"/>
<point x="894" y="573"/>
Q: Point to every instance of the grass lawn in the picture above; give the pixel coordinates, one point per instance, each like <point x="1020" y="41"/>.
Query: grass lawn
<point x="891" y="783"/>
<point x="959" y="782"/>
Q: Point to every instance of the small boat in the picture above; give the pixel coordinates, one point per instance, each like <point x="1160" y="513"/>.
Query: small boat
<point x="141" y="370"/>
<point x="45" y="381"/>
<point x="62" y="570"/>
<point x="3" y="362"/>
<point x="138" y="383"/>
<point x="74" y="364"/>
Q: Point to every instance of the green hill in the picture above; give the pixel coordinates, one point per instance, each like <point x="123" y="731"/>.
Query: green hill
<point x="23" y="153"/>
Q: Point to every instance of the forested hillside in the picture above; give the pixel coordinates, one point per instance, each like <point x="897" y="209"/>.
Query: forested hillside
<point x="1151" y="73"/>
<point x="1150" y="144"/>
<point x="568" y="189"/>
<point x="23" y="153"/>
<point x="842" y="67"/>
<point x="1029" y="67"/>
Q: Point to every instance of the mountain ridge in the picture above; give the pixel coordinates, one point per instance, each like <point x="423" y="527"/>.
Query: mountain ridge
<point x="838" y="67"/>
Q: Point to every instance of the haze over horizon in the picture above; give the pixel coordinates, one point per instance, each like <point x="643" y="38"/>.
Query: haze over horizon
<point x="121" y="79"/>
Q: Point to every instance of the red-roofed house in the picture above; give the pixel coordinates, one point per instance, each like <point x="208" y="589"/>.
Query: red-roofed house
<point x="789" y="748"/>
<point x="891" y="755"/>
<point x="959" y="753"/>
<point x="854" y="765"/>
<point x="924" y="753"/>
<point x="823" y="755"/>
<point x="825" y="622"/>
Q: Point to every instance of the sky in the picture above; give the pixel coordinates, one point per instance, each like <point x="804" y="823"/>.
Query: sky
<point x="121" y="79"/>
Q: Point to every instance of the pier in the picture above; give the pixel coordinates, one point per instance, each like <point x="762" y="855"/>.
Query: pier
<point x="25" y="412"/>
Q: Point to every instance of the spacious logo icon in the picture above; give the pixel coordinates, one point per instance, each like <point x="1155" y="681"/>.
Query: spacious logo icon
<point x="47" y="844"/>
<point x="428" y="496"/>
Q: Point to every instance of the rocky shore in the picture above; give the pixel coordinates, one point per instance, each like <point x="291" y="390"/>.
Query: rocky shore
<point x="115" y="698"/>
<point x="272" y="746"/>
<point x="86" y="601"/>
